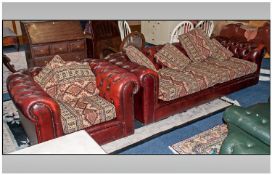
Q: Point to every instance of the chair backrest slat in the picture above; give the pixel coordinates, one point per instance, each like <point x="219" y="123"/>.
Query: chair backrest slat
<point x="124" y="29"/>
<point x="183" y="27"/>
<point x="207" y="26"/>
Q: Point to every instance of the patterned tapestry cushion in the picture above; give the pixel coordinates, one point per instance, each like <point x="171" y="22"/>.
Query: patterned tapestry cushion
<point x="211" y="74"/>
<point x="45" y="78"/>
<point x="70" y="92"/>
<point x="196" y="44"/>
<point x="74" y="80"/>
<point x="197" y="76"/>
<point x="65" y="80"/>
<point x="219" y="51"/>
<point x="174" y="84"/>
<point x="172" y="58"/>
<point x="138" y="57"/>
<point x="234" y="67"/>
<point x="86" y="112"/>
<point x="73" y="86"/>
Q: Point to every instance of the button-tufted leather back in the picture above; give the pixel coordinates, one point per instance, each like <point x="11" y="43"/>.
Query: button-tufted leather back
<point x="244" y="50"/>
<point x="111" y="80"/>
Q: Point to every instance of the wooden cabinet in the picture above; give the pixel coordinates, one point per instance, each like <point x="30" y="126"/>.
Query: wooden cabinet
<point x="49" y="38"/>
<point x="158" y="32"/>
<point x="101" y="35"/>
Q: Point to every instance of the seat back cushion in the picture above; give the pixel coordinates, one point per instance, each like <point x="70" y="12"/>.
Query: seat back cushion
<point x="67" y="80"/>
<point x="196" y="44"/>
<point x="74" y="80"/>
<point x="171" y="57"/>
<point x="138" y="57"/>
<point x="219" y="51"/>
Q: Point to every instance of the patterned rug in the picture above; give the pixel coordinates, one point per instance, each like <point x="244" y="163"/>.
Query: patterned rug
<point x="14" y="136"/>
<point x="207" y="142"/>
<point x="18" y="59"/>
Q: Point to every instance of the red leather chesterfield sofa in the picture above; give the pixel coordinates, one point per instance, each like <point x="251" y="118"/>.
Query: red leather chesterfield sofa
<point x="40" y="114"/>
<point x="149" y="108"/>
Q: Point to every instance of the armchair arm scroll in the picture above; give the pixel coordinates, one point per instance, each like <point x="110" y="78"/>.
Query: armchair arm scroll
<point x="149" y="83"/>
<point x="35" y="105"/>
<point x="117" y="86"/>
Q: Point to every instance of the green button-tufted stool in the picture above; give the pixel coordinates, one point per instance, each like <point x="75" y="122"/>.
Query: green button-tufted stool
<point x="248" y="130"/>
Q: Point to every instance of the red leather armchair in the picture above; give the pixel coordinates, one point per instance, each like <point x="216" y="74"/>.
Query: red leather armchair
<point x="148" y="108"/>
<point x="40" y="114"/>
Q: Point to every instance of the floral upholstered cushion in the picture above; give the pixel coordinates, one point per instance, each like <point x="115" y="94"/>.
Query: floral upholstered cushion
<point x="138" y="57"/>
<point x="172" y="58"/>
<point x="219" y="51"/>
<point x="196" y="44"/>
<point x="86" y="112"/>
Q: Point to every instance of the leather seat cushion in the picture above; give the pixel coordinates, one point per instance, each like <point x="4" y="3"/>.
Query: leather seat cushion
<point x="85" y="112"/>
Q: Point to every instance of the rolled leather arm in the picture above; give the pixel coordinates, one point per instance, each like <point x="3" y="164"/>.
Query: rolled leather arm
<point x="148" y="79"/>
<point x="35" y="104"/>
<point x="121" y="60"/>
<point x="117" y="86"/>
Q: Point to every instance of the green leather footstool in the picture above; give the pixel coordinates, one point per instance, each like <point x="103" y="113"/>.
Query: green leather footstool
<point x="248" y="130"/>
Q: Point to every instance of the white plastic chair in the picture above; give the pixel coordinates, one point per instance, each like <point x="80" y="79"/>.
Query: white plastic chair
<point x="183" y="27"/>
<point x="207" y="26"/>
<point x="124" y="29"/>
